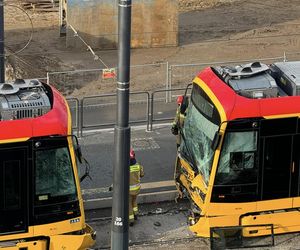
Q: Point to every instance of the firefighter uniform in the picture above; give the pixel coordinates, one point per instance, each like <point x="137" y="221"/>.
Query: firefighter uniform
<point x="136" y="172"/>
<point x="178" y="124"/>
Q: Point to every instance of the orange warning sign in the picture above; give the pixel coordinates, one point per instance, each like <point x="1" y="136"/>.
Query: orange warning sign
<point x="108" y="73"/>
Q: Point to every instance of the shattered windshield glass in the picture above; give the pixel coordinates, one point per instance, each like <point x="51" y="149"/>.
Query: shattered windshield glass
<point x="237" y="163"/>
<point x="198" y="133"/>
<point x="54" y="174"/>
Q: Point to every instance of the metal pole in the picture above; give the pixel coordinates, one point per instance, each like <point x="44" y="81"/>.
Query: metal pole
<point x="120" y="214"/>
<point x="148" y="113"/>
<point x="170" y="82"/>
<point x="2" y="64"/>
<point x="169" y="79"/>
<point x="81" y="117"/>
<point x="151" y="110"/>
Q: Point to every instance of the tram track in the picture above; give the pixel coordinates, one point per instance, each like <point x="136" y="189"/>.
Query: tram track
<point x="158" y="211"/>
<point x="150" y="243"/>
<point x="170" y="233"/>
<point x="151" y="215"/>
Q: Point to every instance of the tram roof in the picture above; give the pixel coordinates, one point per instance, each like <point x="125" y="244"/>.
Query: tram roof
<point x="54" y="122"/>
<point x="234" y="106"/>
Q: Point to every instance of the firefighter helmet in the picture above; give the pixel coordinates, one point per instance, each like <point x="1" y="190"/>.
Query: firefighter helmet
<point x="132" y="154"/>
<point x="179" y="99"/>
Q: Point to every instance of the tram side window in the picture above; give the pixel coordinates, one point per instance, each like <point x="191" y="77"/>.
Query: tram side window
<point x="12" y="184"/>
<point x="54" y="175"/>
<point x="237" y="163"/>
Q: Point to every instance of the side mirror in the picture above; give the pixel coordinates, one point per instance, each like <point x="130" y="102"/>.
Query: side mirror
<point x="216" y="140"/>
<point x="80" y="158"/>
<point x="184" y="105"/>
<point x="78" y="152"/>
<point x="77" y="148"/>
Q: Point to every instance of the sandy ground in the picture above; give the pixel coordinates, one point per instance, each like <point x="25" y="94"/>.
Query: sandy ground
<point x="209" y="31"/>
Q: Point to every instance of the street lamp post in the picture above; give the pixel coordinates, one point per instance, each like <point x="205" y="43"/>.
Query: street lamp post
<point x="119" y="234"/>
<point x="2" y="64"/>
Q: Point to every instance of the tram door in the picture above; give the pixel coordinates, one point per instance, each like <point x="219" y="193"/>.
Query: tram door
<point x="277" y="162"/>
<point x="280" y="148"/>
<point x="295" y="169"/>
<point x="13" y="189"/>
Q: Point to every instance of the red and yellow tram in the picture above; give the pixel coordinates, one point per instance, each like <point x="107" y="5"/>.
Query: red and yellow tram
<point x="239" y="158"/>
<point x="41" y="206"/>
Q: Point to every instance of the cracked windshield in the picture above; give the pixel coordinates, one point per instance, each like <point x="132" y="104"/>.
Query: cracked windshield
<point x="198" y="140"/>
<point x="54" y="176"/>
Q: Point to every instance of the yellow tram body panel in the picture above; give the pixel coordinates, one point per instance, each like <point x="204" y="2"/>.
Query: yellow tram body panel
<point x="54" y="242"/>
<point x="234" y="130"/>
<point x="42" y="216"/>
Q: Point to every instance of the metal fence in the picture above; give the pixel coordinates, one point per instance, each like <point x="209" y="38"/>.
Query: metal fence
<point x="74" y="109"/>
<point x="161" y="82"/>
<point x="166" y="109"/>
<point x="239" y="237"/>
<point x="98" y="112"/>
<point x="153" y="76"/>
<point x="105" y="106"/>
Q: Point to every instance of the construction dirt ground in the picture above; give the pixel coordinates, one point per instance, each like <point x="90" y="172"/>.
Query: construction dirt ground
<point x="209" y="31"/>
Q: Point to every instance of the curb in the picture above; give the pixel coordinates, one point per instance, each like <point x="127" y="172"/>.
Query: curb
<point x="98" y="203"/>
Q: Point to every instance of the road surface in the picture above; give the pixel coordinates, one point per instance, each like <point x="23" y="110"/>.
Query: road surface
<point x="156" y="151"/>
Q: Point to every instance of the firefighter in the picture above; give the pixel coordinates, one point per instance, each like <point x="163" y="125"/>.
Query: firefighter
<point x="136" y="172"/>
<point x="178" y="121"/>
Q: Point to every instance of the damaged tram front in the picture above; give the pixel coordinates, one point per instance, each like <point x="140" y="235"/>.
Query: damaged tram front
<point x="239" y="157"/>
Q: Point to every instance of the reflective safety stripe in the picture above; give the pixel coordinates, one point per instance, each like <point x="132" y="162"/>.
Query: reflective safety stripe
<point x="135" y="209"/>
<point x="135" y="187"/>
<point x="131" y="217"/>
<point x="135" y="168"/>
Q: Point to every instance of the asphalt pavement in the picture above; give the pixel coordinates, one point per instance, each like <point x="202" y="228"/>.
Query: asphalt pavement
<point x="155" y="150"/>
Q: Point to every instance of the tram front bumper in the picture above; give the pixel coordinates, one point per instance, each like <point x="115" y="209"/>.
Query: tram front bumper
<point x="30" y="245"/>
<point x="82" y="241"/>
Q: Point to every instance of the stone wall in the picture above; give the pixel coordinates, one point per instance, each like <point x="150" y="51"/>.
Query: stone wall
<point x="154" y="23"/>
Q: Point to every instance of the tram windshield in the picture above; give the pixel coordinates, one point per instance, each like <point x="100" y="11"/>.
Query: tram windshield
<point x="238" y="163"/>
<point x="54" y="177"/>
<point x="201" y="123"/>
<point x="198" y="133"/>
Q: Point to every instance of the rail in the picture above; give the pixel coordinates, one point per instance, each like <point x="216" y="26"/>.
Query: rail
<point x="103" y="105"/>
<point x="152" y="118"/>
<point x="98" y="111"/>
